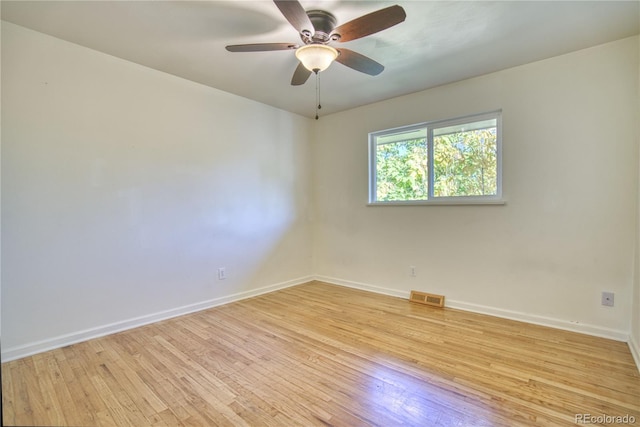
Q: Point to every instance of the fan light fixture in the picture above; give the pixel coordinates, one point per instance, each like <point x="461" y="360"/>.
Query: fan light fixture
<point x="316" y="57"/>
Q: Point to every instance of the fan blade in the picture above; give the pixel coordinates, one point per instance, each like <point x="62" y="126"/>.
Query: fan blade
<point x="370" y="24"/>
<point x="260" y="47"/>
<point x="295" y="14"/>
<point x="300" y="76"/>
<point x="359" y="62"/>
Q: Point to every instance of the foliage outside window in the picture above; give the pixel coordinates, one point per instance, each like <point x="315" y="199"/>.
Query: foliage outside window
<point x="448" y="161"/>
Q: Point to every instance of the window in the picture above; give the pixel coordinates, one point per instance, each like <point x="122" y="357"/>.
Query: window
<point x="452" y="161"/>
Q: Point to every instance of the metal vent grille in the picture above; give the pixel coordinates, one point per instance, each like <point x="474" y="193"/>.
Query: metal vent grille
<point x="427" y="299"/>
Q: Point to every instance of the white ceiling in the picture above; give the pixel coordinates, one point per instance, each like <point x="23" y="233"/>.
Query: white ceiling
<point x="440" y="41"/>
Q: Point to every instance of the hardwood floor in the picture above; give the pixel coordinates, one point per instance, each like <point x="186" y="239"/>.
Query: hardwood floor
<point x="319" y="354"/>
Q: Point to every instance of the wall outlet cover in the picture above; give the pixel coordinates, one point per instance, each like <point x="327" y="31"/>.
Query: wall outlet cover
<point x="608" y="299"/>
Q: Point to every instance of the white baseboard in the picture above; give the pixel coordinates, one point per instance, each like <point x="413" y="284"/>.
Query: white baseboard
<point x="587" y="329"/>
<point x="363" y="286"/>
<point x="582" y="328"/>
<point x="18" y="352"/>
<point x="635" y="351"/>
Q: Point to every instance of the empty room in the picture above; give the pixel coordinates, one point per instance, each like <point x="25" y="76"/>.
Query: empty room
<point x="301" y="213"/>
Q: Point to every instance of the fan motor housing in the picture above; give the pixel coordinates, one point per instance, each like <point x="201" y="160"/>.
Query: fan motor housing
<point x="323" y="24"/>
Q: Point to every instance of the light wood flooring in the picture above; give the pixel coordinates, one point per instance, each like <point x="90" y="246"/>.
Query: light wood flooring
<point x="319" y="354"/>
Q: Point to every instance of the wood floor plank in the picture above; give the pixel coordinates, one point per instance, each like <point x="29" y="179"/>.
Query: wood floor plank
<point x="84" y="412"/>
<point x="15" y="401"/>
<point x="51" y="395"/>
<point x="318" y="355"/>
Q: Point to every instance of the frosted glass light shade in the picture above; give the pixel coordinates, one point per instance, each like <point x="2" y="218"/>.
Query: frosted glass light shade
<point x="316" y="57"/>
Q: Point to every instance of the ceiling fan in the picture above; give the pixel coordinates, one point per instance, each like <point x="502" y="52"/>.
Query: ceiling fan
<point x="318" y="29"/>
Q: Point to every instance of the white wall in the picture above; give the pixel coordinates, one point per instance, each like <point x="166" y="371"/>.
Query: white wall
<point x="634" y="342"/>
<point x="124" y="189"/>
<point x="570" y="179"/>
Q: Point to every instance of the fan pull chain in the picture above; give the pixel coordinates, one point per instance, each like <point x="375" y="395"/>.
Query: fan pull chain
<point x="318" y="106"/>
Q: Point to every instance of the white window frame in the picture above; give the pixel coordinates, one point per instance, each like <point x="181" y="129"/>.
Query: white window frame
<point x="494" y="199"/>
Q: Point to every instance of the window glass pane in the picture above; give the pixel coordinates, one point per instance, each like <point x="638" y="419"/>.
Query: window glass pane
<point x="429" y="163"/>
<point x="402" y="171"/>
<point x="387" y="138"/>
<point x="464" y="127"/>
<point x="465" y="159"/>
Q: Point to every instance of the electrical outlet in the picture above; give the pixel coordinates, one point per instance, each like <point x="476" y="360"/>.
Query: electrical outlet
<point x="412" y="271"/>
<point x="222" y="273"/>
<point x="607" y="299"/>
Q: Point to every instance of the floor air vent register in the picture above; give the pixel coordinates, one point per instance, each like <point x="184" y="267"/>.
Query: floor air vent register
<point x="427" y="299"/>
